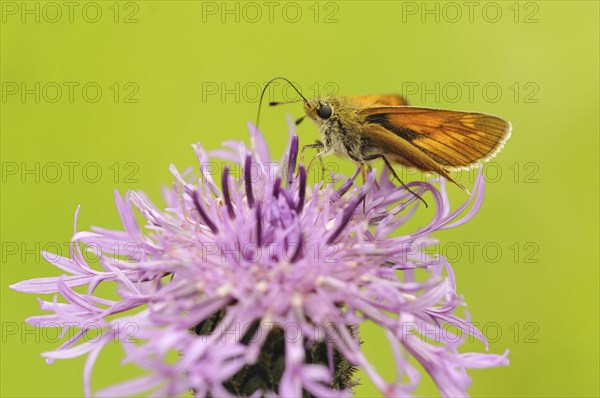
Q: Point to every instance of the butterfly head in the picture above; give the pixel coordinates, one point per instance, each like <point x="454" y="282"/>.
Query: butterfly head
<point x="319" y="110"/>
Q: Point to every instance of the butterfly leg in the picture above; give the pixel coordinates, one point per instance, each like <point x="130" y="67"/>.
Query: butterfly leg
<point x="369" y="169"/>
<point x="363" y="173"/>
<point x="319" y="156"/>
<point x="361" y="164"/>
<point x="318" y="145"/>
<point x="391" y="169"/>
<point x="323" y="150"/>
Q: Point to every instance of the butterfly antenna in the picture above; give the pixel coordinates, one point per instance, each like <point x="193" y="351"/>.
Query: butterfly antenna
<point x="275" y="103"/>
<point x="262" y="94"/>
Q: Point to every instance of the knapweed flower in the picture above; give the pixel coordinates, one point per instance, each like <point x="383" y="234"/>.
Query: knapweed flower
<point x="258" y="285"/>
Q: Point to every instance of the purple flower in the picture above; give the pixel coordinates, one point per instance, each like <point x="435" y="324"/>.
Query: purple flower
<point x="257" y="285"/>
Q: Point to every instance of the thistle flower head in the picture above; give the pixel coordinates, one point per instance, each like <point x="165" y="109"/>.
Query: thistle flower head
<point x="259" y="283"/>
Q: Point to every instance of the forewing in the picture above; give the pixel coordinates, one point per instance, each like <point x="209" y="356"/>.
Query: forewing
<point x="379" y="100"/>
<point x="453" y="139"/>
<point x="399" y="150"/>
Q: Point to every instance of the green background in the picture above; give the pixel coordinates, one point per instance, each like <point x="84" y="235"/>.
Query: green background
<point x="156" y="63"/>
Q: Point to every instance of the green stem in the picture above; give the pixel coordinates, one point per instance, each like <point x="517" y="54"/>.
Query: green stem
<point x="266" y="373"/>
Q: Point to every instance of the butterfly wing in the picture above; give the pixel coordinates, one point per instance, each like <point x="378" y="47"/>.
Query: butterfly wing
<point x="454" y="140"/>
<point x="379" y="100"/>
<point x="401" y="151"/>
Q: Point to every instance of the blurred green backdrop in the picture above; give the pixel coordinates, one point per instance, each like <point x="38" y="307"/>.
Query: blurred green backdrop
<point x="103" y="95"/>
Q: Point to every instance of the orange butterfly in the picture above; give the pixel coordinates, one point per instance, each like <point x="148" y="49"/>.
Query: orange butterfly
<point x="366" y="128"/>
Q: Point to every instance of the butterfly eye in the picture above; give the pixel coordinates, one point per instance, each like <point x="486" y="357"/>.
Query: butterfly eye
<point x="324" y="111"/>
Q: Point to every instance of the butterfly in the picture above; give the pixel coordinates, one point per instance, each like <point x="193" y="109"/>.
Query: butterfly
<point x="371" y="127"/>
